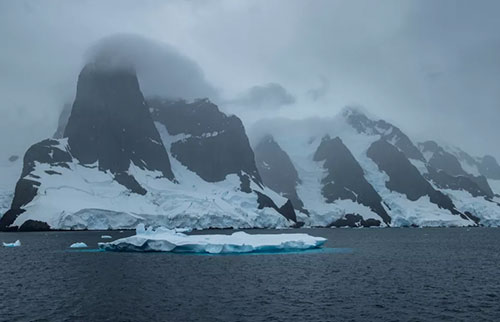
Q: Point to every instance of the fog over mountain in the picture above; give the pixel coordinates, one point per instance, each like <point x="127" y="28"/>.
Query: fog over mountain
<point x="431" y="67"/>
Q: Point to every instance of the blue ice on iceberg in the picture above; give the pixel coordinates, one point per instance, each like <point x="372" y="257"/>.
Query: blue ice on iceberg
<point x="17" y="243"/>
<point x="166" y="240"/>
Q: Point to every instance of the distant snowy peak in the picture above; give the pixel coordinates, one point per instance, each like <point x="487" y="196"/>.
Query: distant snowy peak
<point x="440" y="159"/>
<point x="446" y="171"/>
<point x="487" y="165"/>
<point x="355" y="171"/>
<point x="392" y="134"/>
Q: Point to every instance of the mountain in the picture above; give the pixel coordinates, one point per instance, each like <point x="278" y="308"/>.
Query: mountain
<point x="388" y="132"/>
<point x="211" y="144"/>
<point x="486" y="166"/>
<point x="355" y="170"/>
<point x="119" y="159"/>
<point x="278" y="171"/>
<point x="121" y="162"/>
<point x="445" y="170"/>
<point x="110" y="125"/>
<point x="345" y="179"/>
<point x="207" y="138"/>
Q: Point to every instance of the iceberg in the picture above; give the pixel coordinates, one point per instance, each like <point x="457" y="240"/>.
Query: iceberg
<point x="106" y="237"/>
<point x="167" y="240"/>
<point x="78" y="245"/>
<point x="17" y="243"/>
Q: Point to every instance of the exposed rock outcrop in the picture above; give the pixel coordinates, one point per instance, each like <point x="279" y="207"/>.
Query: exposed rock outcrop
<point x="345" y="178"/>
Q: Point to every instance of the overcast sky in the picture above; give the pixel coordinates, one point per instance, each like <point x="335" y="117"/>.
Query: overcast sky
<point x="431" y="67"/>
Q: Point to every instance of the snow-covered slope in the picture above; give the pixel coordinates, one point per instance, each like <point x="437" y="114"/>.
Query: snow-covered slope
<point x="486" y="166"/>
<point x="116" y="168"/>
<point x="124" y="160"/>
<point x="82" y="197"/>
<point x="395" y="177"/>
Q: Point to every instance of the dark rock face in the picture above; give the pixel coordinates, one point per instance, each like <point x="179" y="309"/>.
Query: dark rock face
<point x="441" y="159"/>
<point x="47" y="152"/>
<point x="129" y="181"/>
<point x="445" y="170"/>
<point x="489" y="167"/>
<point x="345" y="178"/>
<point x="216" y="144"/>
<point x="286" y="210"/>
<point x="483" y="184"/>
<point x="34" y="225"/>
<point x="464" y="156"/>
<point x="354" y="220"/>
<point x="277" y="170"/>
<point x="445" y="181"/>
<point x="63" y="120"/>
<point x="110" y="124"/>
<point x="387" y="131"/>
<point x="8" y="218"/>
<point x="404" y="177"/>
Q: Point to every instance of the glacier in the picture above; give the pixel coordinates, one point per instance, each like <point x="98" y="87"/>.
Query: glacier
<point x="169" y="240"/>
<point x="82" y="197"/>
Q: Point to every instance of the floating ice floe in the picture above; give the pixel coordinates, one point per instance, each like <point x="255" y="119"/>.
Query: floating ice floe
<point x="106" y="237"/>
<point x="17" y="243"/>
<point x="166" y="240"/>
<point x="78" y="245"/>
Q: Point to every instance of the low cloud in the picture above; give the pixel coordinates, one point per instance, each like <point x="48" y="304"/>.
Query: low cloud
<point x="320" y="91"/>
<point x="162" y="70"/>
<point x="268" y="96"/>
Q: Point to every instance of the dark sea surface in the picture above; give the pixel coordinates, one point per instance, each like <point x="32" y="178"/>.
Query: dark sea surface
<point x="376" y="275"/>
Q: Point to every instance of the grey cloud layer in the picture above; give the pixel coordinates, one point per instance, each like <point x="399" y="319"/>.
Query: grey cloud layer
<point x="161" y="69"/>
<point x="268" y="96"/>
<point x="431" y="67"/>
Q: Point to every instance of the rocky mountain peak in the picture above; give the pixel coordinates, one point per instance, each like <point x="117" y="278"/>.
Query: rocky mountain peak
<point x="390" y="133"/>
<point x="110" y="124"/>
<point x="213" y="144"/>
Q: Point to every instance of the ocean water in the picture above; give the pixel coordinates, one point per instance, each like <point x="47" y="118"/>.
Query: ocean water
<point x="441" y="274"/>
